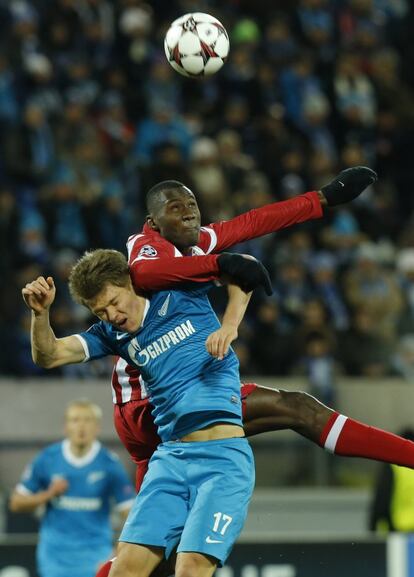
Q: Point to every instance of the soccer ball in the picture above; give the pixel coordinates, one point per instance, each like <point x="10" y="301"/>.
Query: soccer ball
<point x="196" y="44"/>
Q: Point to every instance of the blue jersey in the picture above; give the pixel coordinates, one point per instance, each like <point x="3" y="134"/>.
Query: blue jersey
<point x="188" y="387"/>
<point x="81" y="515"/>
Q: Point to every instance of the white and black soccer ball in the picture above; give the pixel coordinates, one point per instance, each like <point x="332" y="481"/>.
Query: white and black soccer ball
<point x="196" y="44"/>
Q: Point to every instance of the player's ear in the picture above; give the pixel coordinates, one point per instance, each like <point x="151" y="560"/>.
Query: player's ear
<point x="151" y="223"/>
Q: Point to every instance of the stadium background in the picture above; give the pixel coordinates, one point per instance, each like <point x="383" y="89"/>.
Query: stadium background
<point x="91" y="116"/>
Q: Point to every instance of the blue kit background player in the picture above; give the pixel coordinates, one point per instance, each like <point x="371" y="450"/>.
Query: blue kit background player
<point x="186" y="497"/>
<point x="77" y="480"/>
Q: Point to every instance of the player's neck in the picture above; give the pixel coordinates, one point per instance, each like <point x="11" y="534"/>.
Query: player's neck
<point x="80" y="450"/>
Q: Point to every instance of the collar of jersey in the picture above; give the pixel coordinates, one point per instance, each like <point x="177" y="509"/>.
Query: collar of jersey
<point x="80" y="461"/>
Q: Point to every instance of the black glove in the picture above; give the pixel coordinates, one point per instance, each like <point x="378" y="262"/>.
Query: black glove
<point x="348" y="185"/>
<point x="246" y="272"/>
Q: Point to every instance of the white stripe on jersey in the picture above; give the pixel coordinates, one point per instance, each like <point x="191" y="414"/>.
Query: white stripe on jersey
<point x="123" y="380"/>
<point x="334" y="433"/>
<point x="144" y="390"/>
<point x="131" y="241"/>
<point x="85" y="347"/>
<point x="213" y="239"/>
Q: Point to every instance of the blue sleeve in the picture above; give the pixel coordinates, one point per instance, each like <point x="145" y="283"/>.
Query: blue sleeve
<point x="35" y="478"/>
<point x="96" y="343"/>
<point x="121" y="488"/>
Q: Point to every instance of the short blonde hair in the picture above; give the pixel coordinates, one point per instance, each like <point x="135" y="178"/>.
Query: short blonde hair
<point x="94" y="270"/>
<point x="86" y="404"/>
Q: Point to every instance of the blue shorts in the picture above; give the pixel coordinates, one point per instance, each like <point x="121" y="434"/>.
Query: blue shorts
<point x="195" y="495"/>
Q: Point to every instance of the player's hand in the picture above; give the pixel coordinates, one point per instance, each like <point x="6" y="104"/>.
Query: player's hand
<point x="245" y="271"/>
<point x="347" y="185"/>
<point x="218" y="343"/>
<point x="57" y="487"/>
<point x="39" y="294"/>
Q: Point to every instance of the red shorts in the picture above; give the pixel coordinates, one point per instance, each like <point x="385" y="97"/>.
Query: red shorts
<point x="135" y="426"/>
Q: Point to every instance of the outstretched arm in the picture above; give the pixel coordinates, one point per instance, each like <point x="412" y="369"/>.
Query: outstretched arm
<point x="47" y="350"/>
<point x="218" y="343"/>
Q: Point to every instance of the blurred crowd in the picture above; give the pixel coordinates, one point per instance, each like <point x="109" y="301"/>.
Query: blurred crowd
<point x="92" y="115"/>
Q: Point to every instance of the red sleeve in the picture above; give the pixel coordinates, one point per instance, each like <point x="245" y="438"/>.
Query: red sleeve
<point x="260" y="221"/>
<point x="153" y="265"/>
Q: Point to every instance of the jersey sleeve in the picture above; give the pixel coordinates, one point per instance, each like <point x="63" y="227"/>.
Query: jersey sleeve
<point x="153" y="265"/>
<point x="33" y="478"/>
<point x="121" y="487"/>
<point x="260" y="221"/>
<point x="94" y="342"/>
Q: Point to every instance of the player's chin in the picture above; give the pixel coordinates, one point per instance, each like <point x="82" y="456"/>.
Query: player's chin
<point x="191" y="235"/>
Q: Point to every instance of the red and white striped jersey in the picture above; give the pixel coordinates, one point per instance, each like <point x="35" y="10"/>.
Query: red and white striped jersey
<point x="127" y="383"/>
<point x="154" y="264"/>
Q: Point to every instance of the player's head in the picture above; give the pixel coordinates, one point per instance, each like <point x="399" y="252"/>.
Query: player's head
<point x="173" y="212"/>
<point x="82" y="422"/>
<point x="100" y="280"/>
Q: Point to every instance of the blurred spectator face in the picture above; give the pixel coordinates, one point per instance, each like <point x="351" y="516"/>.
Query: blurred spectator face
<point x="237" y="114"/>
<point x="353" y="155"/>
<point x="293" y="273"/>
<point x="268" y="313"/>
<point x="169" y="155"/>
<point x="63" y="191"/>
<point x="293" y="161"/>
<point x="314" y="314"/>
<point x="74" y="112"/>
<point x="363" y="322"/>
<point x="229" y="144"/>
<point x="7" y="201"/>
<point x="317" y="347"/>
<point x="33" y="116"/>
<point x="161" y="71"/>
<point x="278" y="30"/>
<point x="347" y="65"/>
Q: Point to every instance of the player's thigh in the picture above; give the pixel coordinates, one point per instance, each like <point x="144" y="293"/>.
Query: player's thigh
<point x="133" y="559"/>
<point x="221" y="488"/>
<point x="161" y="508"/>
<point x="269" y="409"/>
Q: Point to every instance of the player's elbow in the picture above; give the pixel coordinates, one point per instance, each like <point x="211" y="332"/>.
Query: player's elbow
<point x="15" y="503"/>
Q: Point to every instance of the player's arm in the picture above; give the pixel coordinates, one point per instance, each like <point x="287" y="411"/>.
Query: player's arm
<point x="273" y="217"/>
<point x="163" y="270"/>
<point x="154" y="267"/>
<point x="47" y="350"/>
<point x="23" y="501"/>
<point x="218" y="343"/>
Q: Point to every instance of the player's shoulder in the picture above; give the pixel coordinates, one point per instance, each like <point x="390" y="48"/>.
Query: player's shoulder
<point x="148" y="245"/>
<point x="51" y="452"/>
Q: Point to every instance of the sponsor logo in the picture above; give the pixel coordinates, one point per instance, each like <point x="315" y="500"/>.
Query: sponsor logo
<point x="77" y="503"/>
<point x="210" y="540"/>
<point x="141" y="357"/>
<point x="148" y="251"/>
<point x="163" y="310"/>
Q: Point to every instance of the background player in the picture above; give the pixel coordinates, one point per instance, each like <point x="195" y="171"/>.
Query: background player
<point x="76" y="480"/>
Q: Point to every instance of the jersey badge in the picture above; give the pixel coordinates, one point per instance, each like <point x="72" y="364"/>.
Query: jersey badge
<point x="148" y="251"/>
<point x="95" y="476"/>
